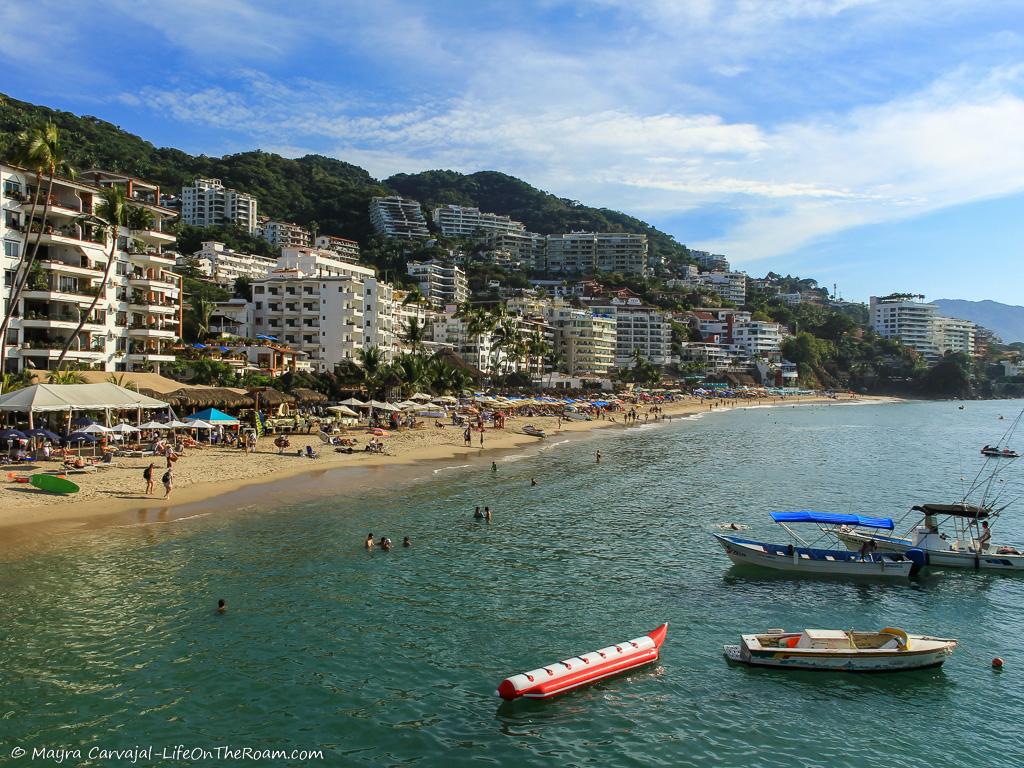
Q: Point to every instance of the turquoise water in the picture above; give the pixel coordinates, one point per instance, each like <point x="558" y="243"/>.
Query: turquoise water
<point x="109" y="638"/>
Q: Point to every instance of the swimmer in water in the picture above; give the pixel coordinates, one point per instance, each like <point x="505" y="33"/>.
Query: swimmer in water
<point x="222" y="607"/>
<point x="478" y="514"/>
<point x="385" y="543"/>
<point x="487" y="514"/>
<point x="533" y="481"/>
<point x="597" y="456"/>
<point x="494" y="466"/>
<point x="369" y="541"/>
<point x="406" y="542"/>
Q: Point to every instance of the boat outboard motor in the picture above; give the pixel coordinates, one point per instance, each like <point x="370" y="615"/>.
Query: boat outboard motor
<point x="919" y="558"/>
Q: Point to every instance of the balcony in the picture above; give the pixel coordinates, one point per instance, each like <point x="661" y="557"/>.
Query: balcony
<point x="150" y="357"/>
<point x="154" y="236"/>
<point x="55" y="265"/>
<point x="137" y="280"/>
<point x="83" y="295"/>
<point x="61" y="322"/>
<point x="60" y="208"/>
<point x="152" y="306"/>
<point x="66" y="236"/>
<point x="151" y="332"/>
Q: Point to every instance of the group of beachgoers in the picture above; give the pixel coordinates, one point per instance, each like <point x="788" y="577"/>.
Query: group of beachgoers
<point x="485" y="515"/>
<point x="384" y="543"/>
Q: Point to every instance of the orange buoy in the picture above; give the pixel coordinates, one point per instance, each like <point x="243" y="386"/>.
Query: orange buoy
<point x="997" y="663"/>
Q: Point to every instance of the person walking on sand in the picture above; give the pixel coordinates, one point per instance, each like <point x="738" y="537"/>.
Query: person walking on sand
<point x="168" y="481"/>
<point x="468" y="437"/>
<point x="481" y="437"/>
<point x="148" y="473"/>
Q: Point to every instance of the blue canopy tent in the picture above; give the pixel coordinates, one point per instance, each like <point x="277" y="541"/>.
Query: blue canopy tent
<point x="261" y="337"/>
<point x="213" y="416"/>
<point x="833" y="518"/>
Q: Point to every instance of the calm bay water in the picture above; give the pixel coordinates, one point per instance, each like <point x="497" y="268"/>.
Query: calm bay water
<point x="109" y="637"/>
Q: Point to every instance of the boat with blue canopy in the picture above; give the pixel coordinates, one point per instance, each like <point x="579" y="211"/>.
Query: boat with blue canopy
<point x="808" y="558"/>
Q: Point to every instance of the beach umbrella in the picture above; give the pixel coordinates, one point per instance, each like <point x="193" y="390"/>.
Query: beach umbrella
<point x="407" y="405"/>
<point x="261" y="337"/>
<point x="342" y="410"/>
<point x="384" y="406"/>
<point x="446" y="399"/>
<point x="422" y="396"/>
<point x="94" y="429"/>
<point x="353" y="402"/>
<point x="80" y="437"/>
<point x="124" y="429"/>
<point x="12" y="434"/>
<point x="154" y="425"/>
<point x="175" y="424"/>
<point x="198" y="346"/>
<point x="199" y="424"/>
<point x="53" y="437"/>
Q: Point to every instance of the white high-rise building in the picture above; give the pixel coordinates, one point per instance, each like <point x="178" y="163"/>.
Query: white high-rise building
<point x="758" y="339"/>
<point x="906" y="317"/>
<point x="955" y="335"/>
<point x="138" y="316"/>
<point x="639" y="328"/>
<point x="284" y="234"/>
<point x="590" y="252"/>
<point x="396" y="216"/>
<point x="466" y="222"/>
<point x="441" y="283"/>
<point x="326" y="306"/>
<point x="224" y="265"/>
<point x="208" y="203"/>
<point x="340" y="245"/>
<point x="527" y="248"/>
<point x="584" y="340"/>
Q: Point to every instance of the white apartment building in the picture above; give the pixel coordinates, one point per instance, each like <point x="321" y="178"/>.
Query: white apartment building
<point x="396" y="216"/>
<point x="710" y="262"/>
<point x="954" y="335"/>
<point x="441" y="283"/>
<point x="403" y="313"/>
<point x="324" y="305"/>
<point x="589" y="252"/>
<point x="919" y="326"/>
<point x="451" y="331"/>
<point x="138" y="316"/>
<point x="466" y="222"/>
<point x="233" y="318"/>
<point x="730" y="286"/>
<point x="224" y="265"/>
<point x="584" y="340"/>
<point x="208" y="203"/>
<point x="527" y="248"/>
<point x="284" y="234"/>
<point x="758" y="339"/>
<point x="639" y="328"/>
<point x="712" y="356"/>
<point x="340" y="245"/>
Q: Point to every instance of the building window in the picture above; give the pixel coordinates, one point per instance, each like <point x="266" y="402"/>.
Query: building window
<point x="12" y="249"/>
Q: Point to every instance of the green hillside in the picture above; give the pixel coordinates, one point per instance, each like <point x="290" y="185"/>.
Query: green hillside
<point x="539" y="211"/>
<point x="332" y="193"/>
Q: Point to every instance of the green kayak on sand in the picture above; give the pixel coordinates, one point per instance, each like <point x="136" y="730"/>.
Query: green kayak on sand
<point x="53" y="484"/>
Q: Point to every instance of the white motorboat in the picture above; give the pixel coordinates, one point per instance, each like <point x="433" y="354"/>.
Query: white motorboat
<point x="533" y="431"/>
<point x="803" y="558"/>
<point x="840" y="650"/>
<point x="949" y="536"/>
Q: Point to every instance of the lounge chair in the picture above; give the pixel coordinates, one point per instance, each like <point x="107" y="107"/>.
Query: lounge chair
<point x="310" y="453"/>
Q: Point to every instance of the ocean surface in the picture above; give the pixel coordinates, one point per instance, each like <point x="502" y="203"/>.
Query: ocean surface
<point x="109" y="638"/>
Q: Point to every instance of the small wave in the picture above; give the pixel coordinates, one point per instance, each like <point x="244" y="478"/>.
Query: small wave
<point x="454" y="466"/>
<point x="555" y="444"/>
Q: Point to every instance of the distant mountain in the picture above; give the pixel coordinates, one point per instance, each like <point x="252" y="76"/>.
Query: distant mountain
<point x="1005" y="320"/>
<point x="330" y="192"/>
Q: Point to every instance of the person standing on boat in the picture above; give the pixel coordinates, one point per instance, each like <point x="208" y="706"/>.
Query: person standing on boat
<point x="986" y="537"/>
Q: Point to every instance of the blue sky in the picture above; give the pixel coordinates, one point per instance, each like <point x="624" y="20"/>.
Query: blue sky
<point x="874" y="144"/>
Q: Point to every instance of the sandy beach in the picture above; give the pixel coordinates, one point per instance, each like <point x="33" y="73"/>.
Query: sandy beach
<point x="219" y="479"/>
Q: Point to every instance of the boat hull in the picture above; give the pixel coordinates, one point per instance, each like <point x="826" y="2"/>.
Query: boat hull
<point x="804" y="561"/>
<point x="569" y="674"/>
<point x="938" y="558"/>
<point x="841" y="661"/>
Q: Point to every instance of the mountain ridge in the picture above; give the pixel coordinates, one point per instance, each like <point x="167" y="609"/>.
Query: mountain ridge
<point x="315" y="188"/>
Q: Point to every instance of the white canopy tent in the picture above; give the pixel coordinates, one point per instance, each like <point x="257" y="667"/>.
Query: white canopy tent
<point x="342" y="410"/>
<point x="154" y="425"/>
<point x="66" y="398"/>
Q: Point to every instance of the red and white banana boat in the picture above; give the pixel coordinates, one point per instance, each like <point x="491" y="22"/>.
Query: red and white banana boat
<point x="582" y="670"/>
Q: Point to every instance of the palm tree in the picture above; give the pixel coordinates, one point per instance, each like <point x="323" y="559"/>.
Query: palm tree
<point x="201" y="308"/>
<point x="39" y="150"/>
<point x="111" y="214"/>
<point x="372" y="361"/>
<point x="65" y="377"/>
<point x="13" y="381"/>
<point x="413" y="333"/>
<point x="123" y="381"/>
<point x="414" y="296"/>
<point x="536" y="347"/>
<point x="412" y="369"/>
<point x="503" y="339"/>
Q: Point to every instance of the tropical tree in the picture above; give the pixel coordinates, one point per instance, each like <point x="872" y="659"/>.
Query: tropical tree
<point x="413" y="333"/>
<point x="536" y="348"/>
<point x="412" y="370"/>
<point x="65" y="377"/>
<point x="13" y="381"/>
<point x="200" y="310"/>
<point x="40" y="151"/>
<point x="414" y="296"/>
<point x="373" y="364"/>
<point x="122" y="380"/>
<point x="111" y="213"/>
<point x="504" y="336"/>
